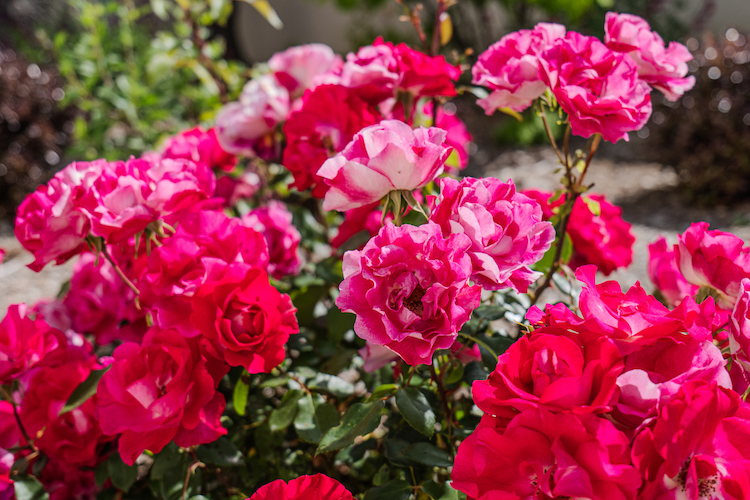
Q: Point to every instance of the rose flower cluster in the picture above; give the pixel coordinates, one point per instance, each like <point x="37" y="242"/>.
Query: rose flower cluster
<point x="190" y="258"/>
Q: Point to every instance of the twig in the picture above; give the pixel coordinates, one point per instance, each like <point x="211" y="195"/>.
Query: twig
<point x="483" y="344"/>
<point x="444" y="403"/>
<point x="9" y="397"/>
<point x="551" y="137"/>
<point x="119" y="271"/>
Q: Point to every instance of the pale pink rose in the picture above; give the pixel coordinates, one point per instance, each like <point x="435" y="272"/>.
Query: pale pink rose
<point x="409" y="288"/>
<point x="49" y="223"/>
<point x="714" y="259"/>
<point x="664" y="68"/>
<point x="664" y="272"/>
<point x="381" y="158"/>
<point x="297" y="68"/>
<point x="739" y="329"/>
<point x="505" y="228"/>
<point x="246" y="127"/>
<point x="274" y="222"/>
<point x="510" y="68"/>
<point x="597" y="87"/>
<point x="376" y="356"/>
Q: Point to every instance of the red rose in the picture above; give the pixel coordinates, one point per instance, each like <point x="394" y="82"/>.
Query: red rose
<point x="246" y="319"/>
<point x="317" y="487"/>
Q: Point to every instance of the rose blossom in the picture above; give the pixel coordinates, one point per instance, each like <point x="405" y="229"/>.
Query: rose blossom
<point x="274" y="222"/>
<point x="598" y="88"/>
<point x="713" y="259"/>
<point x="373" y="69"/>
<point x="457" y="135"/>
<point x="316" y="487"/>
<point x="697" y="446"/>
<point x="739" y="329"/>
<point x="297" y="68"/>
<point x="505" y="228"/>
<point x="7" y="491"/>
<point x="246" y="127"/>
<point x="663" y="68"/>
<point x="409" y="289"/>
<point x="510" y="68"/>
<point x="632" y="319"/>
<point x="247" y="321"/>
<point x="73" y="437"/>
<point x="199" y="146"/>
<point x="602" y="239"/>
<point x="49" y="223"/>
<point x="100" y="303"/>
<point x="180" y="266"/>
<point x="329" y="117"/>
<point x="552" y="372"/>
<point x="546" y="455"/>
<point x="424" y="75"/>
<point x="386" y="157"/>
<point x="159" y="391"/>
<point x="664" y="273"/>
<point x="24" y="341"/>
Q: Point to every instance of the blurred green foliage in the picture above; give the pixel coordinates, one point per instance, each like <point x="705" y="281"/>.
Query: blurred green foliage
<point x="139" y="71"/>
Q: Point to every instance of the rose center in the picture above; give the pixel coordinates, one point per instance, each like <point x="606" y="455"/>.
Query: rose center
<point x="414" y="301"/>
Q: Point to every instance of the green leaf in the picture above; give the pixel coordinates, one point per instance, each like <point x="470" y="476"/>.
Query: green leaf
<point x="221" y="453"/>
<point x="101" y="474"/>
<point x="416" y="410"/>
<point x="29" y="488"/>
<point x="383" y="392"/>
<point x="428" y="454"/>
<point x="440" y="491"/>
<point x="239" y="396"/>
<point x="84" y="391"/>
<point x="267" y="12"/>
<point x="490" y="312"/>
<point x="454" y="372"/>
<point x="359" y="420"/>
<point x="283" y="416"/>
<point x="398" y="489"/>
<point x="123" y="476"/>
<point x="333" y="384"/>
<point x="594" y="206"/>
<point x="339" y="323"/>
<point x="164" y="461"/>
<point x="314" y="418"/>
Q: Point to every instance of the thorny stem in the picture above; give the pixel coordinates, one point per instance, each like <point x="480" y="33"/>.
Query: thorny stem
<point x="446" y="407"/>
<point x="119" y="271"/>
<point x="551" y="137"/>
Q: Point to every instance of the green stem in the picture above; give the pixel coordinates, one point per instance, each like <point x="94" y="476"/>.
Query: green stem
<point x="480" y="342"/>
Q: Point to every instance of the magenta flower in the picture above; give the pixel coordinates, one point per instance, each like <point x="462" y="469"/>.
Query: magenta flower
<point x="386" y="157"/>
<point x="510" y="68"/>
<point x="505" y="228"/>
<point x="199" y="146"/>
<point x="664" y="68"/>
<point x="598" y="88"/>
<point x="546" y="455"/>
<point x="739" y="329"/>
<point x="315" y="487"/>
<point x="714" y="259"/>
<point x="24" y="342"/>
<point x="274" y="222"/>
<point x="409" y="288"/>
<point x="664" y="272"/>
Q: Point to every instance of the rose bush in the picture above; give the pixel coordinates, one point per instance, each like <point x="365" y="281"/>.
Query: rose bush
<point x="227" y="333"/>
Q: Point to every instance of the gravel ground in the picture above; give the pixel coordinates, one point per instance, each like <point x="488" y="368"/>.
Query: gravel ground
<point x="644" y="190"/>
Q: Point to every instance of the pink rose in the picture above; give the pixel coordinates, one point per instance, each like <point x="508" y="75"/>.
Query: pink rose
<point x="696" y="447"/>
<point x="457" y="135"/>
<point x="552" y="372"/>
<point x="297" y="68"/>
<point x="157" y="392"/>
<point x="246" y="127"/>
<point x="274" y="222"/>
<point x="316" y="487"/>
<point x="598" y="88"/>
<point x="373" y="69"/>
<point x="7" y="490"/>
<point x="654" y="374"/>
<point x="505" y="228"/>
<point x="664" y="68"/>
<point x="739" y="330"/>
<point x="664" y="272"/>
<point x="326" y="122"/>
<point x="409" y="289"/>
<point x="181" y="265"/>
<point x="247" y="321"/>
<point x="386" y="157"/>
<point x="24" y="342"/>
<point x="74" y="437"/>
<point x="99" y="303"/>
<point x="199" y="146"/>
<point x="49" y="223"/>
<point x="546" y="455"/>
<point x="713" y="259"/>
<point x="510" y="68"/>
<point x="632" y="319"/>
<point x="233" y="189"/>
<point x="604" y="240"/>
